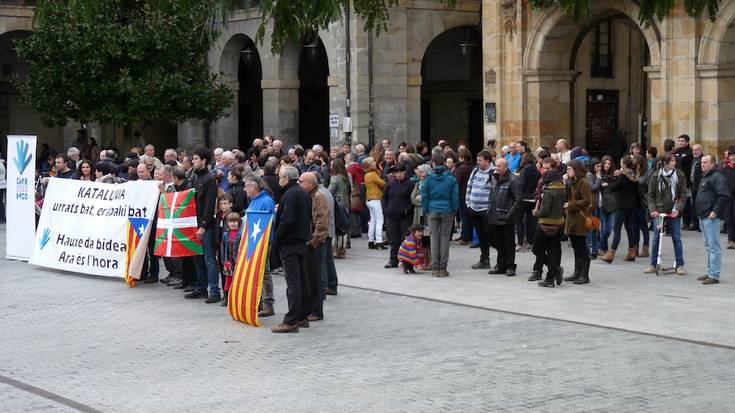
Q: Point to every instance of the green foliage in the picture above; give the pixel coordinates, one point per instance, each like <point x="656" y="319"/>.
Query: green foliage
<point x="649" y="9"/>
<point x="122" y="61"/>
<point x="300" y="20"/>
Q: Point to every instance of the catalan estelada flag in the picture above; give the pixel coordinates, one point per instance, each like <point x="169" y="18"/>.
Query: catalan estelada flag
<point x="137" y="240"/>
<point x="247" y="280"/>
<point x="177" y="225"/>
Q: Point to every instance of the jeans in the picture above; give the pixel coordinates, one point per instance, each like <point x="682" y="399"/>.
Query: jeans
<point x="206" y="265"/>
<point x="673" y="226"/>
<point x="397" y="229"/>
<point x="630" y="219"/>
<point x="440" y="228"/>
<point x="502" y="239"/>
<point x="293" y="258"/>
<point x="313" y="263"/>
<point x="464" y="220"/>
<point x="547" y="251"/>
<point x="593" y="237"/>
<point x="328" y="271"/>
<point x="526" y="224"/>
<point x="375" y="227"/>
<point x="643" y="225"/>
<point x="711" y="234"/>
<point x="606" y="228"/>
<point x="478" y="223"/>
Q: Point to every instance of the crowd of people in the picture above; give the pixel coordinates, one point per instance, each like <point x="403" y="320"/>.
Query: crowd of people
<point x="411" y="199"/>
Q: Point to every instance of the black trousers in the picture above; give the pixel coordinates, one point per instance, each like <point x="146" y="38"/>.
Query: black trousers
<point x="186" y="269"/>
<point x="293" y="259"/>
<point x="581" y="253"/>
<point x="526" y="223"/>
<point x="477" y="219"/>
<point x="314" y="267"/>
<point x="627" y="217"/>
<point x="503" y="239"/>
<point x="730" y="219"/>
<point x="547" y="251"/>
<point x="397" y="229"/>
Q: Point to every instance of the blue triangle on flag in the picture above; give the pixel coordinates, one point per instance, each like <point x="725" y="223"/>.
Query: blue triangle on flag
<point x="139" y="224"/>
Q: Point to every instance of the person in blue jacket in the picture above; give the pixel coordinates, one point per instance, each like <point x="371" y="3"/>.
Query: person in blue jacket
<point x="262" y="201"/>
<point x="440" y="201"/>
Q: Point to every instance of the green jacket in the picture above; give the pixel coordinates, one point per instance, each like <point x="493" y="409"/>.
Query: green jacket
<point x="660" y="201"/>
<point x="551" y="211"/>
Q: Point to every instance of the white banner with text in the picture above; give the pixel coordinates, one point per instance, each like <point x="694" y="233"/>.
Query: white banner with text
<point x="20" y="197"/>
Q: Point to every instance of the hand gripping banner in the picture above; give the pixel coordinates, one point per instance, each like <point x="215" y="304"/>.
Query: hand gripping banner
<point x="247" y="280"/>
<point x="177" y="225"/>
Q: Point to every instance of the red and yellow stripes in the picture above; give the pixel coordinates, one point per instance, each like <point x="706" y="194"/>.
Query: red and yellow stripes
<point x="132" y="244"/>
<point x="247" y="281"/>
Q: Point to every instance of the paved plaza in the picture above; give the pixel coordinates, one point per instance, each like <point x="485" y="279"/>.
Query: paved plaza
<point x="472" y="342"/>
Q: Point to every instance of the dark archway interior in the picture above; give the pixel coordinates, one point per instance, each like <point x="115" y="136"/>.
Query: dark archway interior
<point x="250" y="96"/>
<point x="313" y="96"/>
<point x="451" y="90"/>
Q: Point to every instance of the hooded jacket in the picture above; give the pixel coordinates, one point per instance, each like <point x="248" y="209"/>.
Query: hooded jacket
<point x="440" y="192"/>
<point x="551" y="211"/>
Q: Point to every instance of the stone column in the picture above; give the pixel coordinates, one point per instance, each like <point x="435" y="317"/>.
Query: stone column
<point x="281" y="109"/>
<point x="548" y="109"/>
<point x="190" y="134"/>
<point x="224" y="131"/>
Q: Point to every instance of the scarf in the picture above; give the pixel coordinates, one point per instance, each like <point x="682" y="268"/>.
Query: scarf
<point x="670" y="177"/>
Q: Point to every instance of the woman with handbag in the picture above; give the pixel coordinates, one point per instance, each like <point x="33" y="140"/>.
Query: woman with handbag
<point x="339" y="187"/>
<point x="579" y="219"/>
<point x="547" y="239"/>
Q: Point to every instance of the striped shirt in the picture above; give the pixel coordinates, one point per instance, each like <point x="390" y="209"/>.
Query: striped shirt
<point x="478" y="189"/>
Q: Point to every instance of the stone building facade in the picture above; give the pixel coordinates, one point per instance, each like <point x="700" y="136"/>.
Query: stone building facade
<point x="484" y="69"/>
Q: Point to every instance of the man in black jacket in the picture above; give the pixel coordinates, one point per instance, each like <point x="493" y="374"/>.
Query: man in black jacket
<point x="398" y="210"/>
<point x="205" y="185"/>
<point x="505" y="199"/>
<point x="712" y="197"/>
<point x="684" y="160"/>
<point x="293" y="231"/>
<point x="694" y="179"/>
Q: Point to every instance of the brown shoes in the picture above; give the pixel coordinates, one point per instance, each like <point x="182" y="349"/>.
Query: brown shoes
<point x="644" y="252"/>
<point x="285" y="328"/>
<point x="631" y="255"/>
<point x="329" y="291"/>
<point x="609" y="256"/>
<point x="710" y="281"/>
<point x="702" y="277"/>
<point x="314" y="317"/>
<point x="266" y="312"/>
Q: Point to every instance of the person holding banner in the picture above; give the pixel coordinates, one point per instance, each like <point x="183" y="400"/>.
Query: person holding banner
<point x="261" y="201"/>
<point x="294" y="230"/>
<point x="206" y="200"/>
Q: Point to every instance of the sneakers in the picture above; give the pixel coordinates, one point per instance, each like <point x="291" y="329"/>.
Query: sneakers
<point x="285" y="328"/>
<point x="481" y="265"/>
<point x="681" y="271"/>
<point x="196" y="295"/>
<point x="650" y="270"/>
<point x="213" y="298"/>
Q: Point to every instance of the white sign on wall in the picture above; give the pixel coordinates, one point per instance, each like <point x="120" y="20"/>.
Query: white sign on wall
<point x="21" y="197"/>
<point x="91" y="228"/>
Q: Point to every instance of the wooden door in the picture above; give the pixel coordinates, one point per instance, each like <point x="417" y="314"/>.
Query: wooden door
<point x="602" y="119"/>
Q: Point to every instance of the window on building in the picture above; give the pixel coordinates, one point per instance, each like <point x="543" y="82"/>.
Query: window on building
<point x="602" y="57"/>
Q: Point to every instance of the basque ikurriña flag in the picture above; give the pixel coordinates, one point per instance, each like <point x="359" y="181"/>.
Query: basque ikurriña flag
<point x="247" y="280"/>
<point x="177" y="225"/>
<point x="138" y="232"/>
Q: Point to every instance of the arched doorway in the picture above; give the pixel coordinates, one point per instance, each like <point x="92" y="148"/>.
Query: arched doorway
<point x="249" y="96"/>
<point x="451" y="88"/>
<point x="313" y="95"/>
<point x="15" y="117"/>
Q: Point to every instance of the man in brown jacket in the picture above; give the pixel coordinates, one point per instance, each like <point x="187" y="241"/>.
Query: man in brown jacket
<point x="319" y="231"/>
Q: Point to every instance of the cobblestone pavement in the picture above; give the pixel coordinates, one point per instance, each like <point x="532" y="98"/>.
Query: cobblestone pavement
<point x="470" y="342"/>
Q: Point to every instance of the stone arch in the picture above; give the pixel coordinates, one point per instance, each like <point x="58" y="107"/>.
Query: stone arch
<point x="229" y="60"/>
<point x="437" y="24"/>
<point x="714" y="33"/>
<point x="556" y="26"/>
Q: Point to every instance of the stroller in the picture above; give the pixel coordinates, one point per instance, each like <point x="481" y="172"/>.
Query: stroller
<point x="661" y="226"/>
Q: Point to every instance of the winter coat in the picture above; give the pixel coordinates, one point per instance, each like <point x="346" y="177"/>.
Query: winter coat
<point x="660" y="201"/>
<point x="626" y="191"/>
<point x="340" y="189"/>
<point x="410" y="251"/>
<point x="551" y="211"/>
<point x="373" y="185"/>
<point x="206" y="197"/>
<point x="294" y="216"/>
<point x="418" y="212"/>
<point x="505" y="199"/>
<point x="713" y="194"/>
<point x="684" y="160"/>
<point x="462" y="174"/>
<point x="529" y="178"/>
<point x="579" y="200"/>
<point x="440" y="192"/>
<point x="239" y="197"/>
<point x="397" y="197"/>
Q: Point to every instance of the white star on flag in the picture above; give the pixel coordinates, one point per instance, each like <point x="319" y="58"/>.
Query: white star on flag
<point x="256" y="230"/>
<point x="141" y="230"/>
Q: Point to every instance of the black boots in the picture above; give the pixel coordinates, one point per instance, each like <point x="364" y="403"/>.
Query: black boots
<point x="584" y="274"/>
<point x="535" y="276"/>
<point x="371" y="246"/>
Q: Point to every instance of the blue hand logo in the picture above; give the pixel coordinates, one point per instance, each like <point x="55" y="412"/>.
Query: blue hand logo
<point x="23" y="158"/>
<point x="45" y="238"/>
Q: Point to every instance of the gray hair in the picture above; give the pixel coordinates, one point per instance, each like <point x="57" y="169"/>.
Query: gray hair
<point x="218" y="151"/>
<point x="178" y="172"/>
<point x="73" y="151"/>
<point x="228" y="155"/>
<point x="170" y="151"/>
<point x="437" y="158"/>
<point x="423" y="168"/>
<point x="256" y="180"/>
<point x="290" y="172"/>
